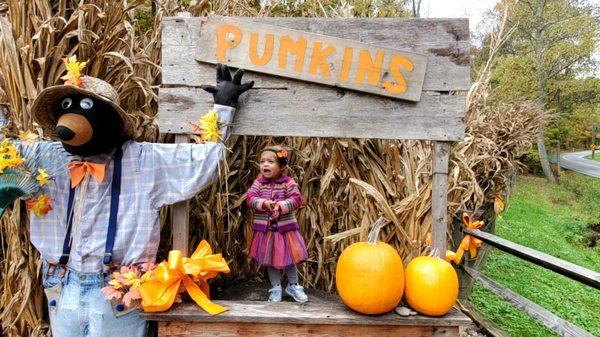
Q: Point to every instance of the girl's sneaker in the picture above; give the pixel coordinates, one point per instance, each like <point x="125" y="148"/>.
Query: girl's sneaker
<point x="275" y="294"/>
<point x="297" y="292"/>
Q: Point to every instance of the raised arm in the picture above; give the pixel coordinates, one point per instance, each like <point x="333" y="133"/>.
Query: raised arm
<point x="183" y="170"/>
<point x="227" y="92"/>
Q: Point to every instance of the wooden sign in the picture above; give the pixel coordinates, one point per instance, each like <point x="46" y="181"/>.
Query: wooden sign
<point x="281" y="106"/>
<point x="312" y="57"/>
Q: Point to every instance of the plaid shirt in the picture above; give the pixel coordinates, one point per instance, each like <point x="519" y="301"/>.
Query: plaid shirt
<point x="153" y="175"/>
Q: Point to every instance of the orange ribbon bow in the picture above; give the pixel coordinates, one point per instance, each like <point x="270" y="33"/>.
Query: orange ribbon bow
<point x="159" y="293"/>
<point x="468" y="242"/>
<point x="78" y="169"/>
<point x="498" y="205"/>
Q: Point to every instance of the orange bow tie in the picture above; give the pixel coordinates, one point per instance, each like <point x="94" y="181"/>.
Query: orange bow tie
<point x="78" y="169"/>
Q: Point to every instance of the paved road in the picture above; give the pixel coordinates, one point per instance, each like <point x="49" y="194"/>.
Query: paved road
<point x="575" y="161"/>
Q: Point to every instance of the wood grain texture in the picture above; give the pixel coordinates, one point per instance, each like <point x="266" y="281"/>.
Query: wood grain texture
<point x="180" y="329"/>
<point x="326" y="114"/>
<point x="436" y="117"/>
<point x="568" y="269"/>
<point x="439" y="197"/>
<point x="332" y="312"/>
<point x="490" y="328"/>
<point x="545" y="317"/>
<point x="446" y="331"/>
<point x="445" y="42"/>
<point x="309" y="67"/>
<point x="181" y="221"/>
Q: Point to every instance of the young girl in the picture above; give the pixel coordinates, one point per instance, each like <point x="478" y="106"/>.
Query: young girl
<point x="277" y="243"/>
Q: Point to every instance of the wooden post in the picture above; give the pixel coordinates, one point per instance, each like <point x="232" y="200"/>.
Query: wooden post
<point x="181" y="224"/>
<point x="439" y="197"/>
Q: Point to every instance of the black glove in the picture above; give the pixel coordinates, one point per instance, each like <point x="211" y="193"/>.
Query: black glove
<point x="227" y="90"/>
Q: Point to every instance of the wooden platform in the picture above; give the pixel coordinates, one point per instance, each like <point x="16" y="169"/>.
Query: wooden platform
<point x="323" y="315"/>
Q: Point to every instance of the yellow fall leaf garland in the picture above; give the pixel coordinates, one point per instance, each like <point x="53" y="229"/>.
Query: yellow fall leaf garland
<point x="209" y="128"/>
<point x="10" y="158"/>
<point x="74" y="68"/>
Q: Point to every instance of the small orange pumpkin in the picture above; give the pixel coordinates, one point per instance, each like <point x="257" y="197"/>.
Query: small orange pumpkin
<point x="431" y="285"/>
<point x="369" y="275"/>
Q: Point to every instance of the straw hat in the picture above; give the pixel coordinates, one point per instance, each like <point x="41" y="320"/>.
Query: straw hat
<point x="45" y="107"/>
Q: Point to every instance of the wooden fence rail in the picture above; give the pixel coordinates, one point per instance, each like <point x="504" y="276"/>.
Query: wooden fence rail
<point x="557" y="265"/>
<point x="545" y="317"/>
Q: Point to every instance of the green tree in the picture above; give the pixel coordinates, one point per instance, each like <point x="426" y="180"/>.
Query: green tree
<point x="549" y="59"/>
<point x="578" y="101"/>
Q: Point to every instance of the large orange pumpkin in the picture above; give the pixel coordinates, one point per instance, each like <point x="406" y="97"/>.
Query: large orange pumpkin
<point x="431" y="285"/>
<point x="369" y="276"/>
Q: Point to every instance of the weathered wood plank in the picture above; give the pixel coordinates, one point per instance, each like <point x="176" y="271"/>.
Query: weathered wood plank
<point x="439" y="197"/>
<point x="562" y="267"/>
<point x="317" y="58"/>
<point x="181" y="221"/>
<point x="445" y="42"/>
<point x="319" y="112"/>
<point x="435" y="117"/>
<point x="445" y="331"/>
<point x="487" y="326"/>
<point x="335" y="313"/>
<point x="545" y="317"/>
<point x="180" y="329"/>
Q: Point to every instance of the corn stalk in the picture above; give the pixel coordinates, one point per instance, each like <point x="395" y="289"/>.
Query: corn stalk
<point x="346" y="183"/>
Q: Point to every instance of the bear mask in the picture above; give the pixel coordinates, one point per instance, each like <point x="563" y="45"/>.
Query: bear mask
<point x="87" y="126"/>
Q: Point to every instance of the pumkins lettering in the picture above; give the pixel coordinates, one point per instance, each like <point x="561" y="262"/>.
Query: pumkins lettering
<point x="366" y="67"/>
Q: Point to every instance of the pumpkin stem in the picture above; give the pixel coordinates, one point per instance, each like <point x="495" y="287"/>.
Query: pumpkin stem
<point x="435" y="253"/>
<point x="375" y="228"/>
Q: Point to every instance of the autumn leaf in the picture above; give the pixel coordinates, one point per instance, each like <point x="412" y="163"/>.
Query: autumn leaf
<point x="131" y="296"/>
<point x="111" y="293"/>
<point x="42" y="177"/>
<point x="40" y="206"/>
<point x="9" y="156"/>
<point x="498" y="206"/>
<point x="210" y="126"/>
<point x="197" y="129"/>
<point x="127" y="280"/>
<point x="74" y="68"/>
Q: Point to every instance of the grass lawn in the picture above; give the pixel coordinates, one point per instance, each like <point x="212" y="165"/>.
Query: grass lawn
<point x="553" y="219"/>
<point x="596" y="157"/>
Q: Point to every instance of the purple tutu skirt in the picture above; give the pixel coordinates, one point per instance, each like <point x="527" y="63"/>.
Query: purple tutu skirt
<point x="278" y="250"/>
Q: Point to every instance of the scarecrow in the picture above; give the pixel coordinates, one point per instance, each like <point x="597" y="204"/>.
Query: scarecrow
<point x="106" y="201"/>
